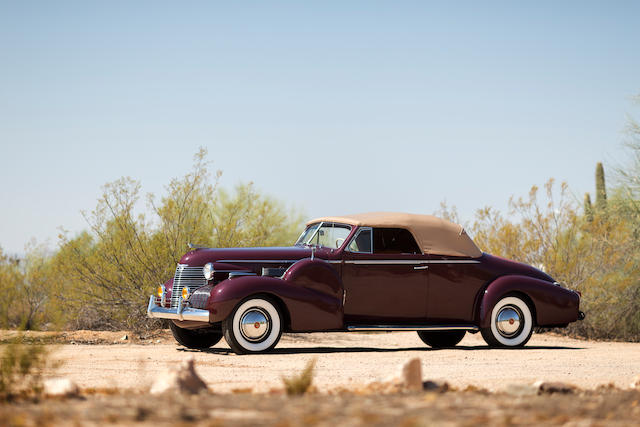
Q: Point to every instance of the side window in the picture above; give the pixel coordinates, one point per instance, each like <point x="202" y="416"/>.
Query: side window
<point x="394" y="241"/>
<point x="361" y="241"/>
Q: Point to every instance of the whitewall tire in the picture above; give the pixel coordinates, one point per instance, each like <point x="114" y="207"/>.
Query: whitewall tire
<point x="254" y="326"/>
<point x="511" y="323"/>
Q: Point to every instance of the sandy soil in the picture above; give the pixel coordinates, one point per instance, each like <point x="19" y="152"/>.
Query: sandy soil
<point x="349" y="360"/>
<point x="602" y="408"/>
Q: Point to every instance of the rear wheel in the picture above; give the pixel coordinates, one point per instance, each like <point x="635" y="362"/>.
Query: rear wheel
<point x="441" y="339"/>
<point x="254" y="326"/>
<point x="511" y="323"/>
<point x="195" y="338"/>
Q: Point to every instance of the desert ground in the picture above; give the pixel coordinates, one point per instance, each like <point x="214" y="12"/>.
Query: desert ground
<point x="348" y="360"/>
<point x="487" y="386"/>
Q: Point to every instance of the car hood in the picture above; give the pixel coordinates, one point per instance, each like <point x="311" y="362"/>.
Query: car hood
<point x="200" y="257"/>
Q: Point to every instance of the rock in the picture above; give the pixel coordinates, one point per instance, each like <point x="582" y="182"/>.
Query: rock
<point x="436" y="386"/>
<point x="60" y="387"/>
<point x="635" y="383"/>
<point x="545" y="387"/>
<point x="183" y="379"/>
<point x="412" y="375"/>
<point x="125" y="337"/>
<point x="521" y="389"/>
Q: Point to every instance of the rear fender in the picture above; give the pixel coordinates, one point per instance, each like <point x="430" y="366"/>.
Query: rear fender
<point x="552" y="305"/>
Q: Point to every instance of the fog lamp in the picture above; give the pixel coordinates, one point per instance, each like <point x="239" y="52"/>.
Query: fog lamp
<point x="185" y="293"/>
<point x="160" y="291"/>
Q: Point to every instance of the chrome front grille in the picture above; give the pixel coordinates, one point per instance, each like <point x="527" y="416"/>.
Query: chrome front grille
<point x="192" y="277"/>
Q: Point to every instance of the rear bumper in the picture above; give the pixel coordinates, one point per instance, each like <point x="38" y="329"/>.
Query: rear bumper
<point x="179" y="313"/>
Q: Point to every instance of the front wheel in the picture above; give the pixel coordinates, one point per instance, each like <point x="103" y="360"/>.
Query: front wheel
<point x="254" y="326"/>
<point x="511" y="323"/>
<point x="195" y="338"/>
<point x="441" y="339"/>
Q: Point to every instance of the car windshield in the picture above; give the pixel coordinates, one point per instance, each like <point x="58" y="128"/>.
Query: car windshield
<point x="327" y="234"/>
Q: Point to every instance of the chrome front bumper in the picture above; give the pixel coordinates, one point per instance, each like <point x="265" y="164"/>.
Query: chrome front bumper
<point x="179" y="313"/>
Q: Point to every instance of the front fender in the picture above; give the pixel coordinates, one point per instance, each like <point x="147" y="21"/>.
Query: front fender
<point x="552" y="305"/>
<point x="308" y="309"/>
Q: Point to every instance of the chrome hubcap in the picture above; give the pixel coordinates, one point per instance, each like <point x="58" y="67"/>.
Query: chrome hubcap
<point x="254" y="324"/>
<point x="509" y="321"/>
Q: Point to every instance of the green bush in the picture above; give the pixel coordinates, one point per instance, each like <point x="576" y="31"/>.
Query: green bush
<point x="21" y="368"/>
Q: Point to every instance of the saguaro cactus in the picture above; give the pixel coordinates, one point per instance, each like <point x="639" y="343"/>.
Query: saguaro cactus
<point x="588" y="207"/>
<point x="601" y="190"/>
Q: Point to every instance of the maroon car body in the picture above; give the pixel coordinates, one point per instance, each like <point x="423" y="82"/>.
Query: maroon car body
<point x="388" y="282"/>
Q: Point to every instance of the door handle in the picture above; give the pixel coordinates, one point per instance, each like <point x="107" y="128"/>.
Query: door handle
<point x="421" y="267"/>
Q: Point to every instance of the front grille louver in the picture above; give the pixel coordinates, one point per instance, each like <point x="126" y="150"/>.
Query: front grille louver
<point x="192" y="277"/>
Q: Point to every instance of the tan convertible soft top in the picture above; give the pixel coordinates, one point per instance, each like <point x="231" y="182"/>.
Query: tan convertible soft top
<point x="433" y="235"/>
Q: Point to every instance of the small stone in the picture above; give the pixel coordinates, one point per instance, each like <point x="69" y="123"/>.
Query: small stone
<point x="183" y="379"/>
<point x="412" y="375"/>
<point x="60" y="387"/>
<point x="545" y="387"/>
<point x="125" y="337"/>
<point x="521" y="389"/>
<point x="635" y="383"/>
<point x="435" y="386"/>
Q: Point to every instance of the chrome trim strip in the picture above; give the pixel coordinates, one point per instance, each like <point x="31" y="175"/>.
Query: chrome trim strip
<point x="385" y="261"/>
<point x="279" y="261"/>
<point x="355" y="328"/>
<point x="411" y="262"/>
<point x="194" y="314"/>
<point x="452" y="261"/>
<point x="241" y="273"/>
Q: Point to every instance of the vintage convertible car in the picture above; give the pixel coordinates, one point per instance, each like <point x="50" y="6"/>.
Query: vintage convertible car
<point x="367" y="272"/>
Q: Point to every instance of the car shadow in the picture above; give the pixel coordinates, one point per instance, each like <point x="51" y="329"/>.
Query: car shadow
<point x="329" y="350"/>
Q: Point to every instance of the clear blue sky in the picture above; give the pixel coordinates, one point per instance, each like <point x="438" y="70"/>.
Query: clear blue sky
<point x="333" y="107"/>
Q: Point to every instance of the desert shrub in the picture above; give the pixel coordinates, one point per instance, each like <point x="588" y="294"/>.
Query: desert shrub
<point x="25" y="284"/>
<point x="596" y="253"/>
<point x="21" y="367"/>
<point x="300" y="383"/>
<point x="108" y="272"/>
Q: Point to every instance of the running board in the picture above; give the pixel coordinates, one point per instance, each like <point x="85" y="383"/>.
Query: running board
<point x="357" y="328"/>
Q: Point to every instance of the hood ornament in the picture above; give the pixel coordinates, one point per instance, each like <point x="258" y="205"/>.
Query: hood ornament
<point x="192" y="246"/>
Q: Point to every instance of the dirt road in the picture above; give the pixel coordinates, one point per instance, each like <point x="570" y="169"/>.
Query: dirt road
<point x="351" y="360"/>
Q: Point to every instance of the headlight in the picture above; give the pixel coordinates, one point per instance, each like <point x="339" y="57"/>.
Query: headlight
<point x="208" y="271"/>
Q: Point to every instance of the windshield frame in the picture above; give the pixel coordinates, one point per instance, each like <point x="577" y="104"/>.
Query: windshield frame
<point x="319" y="225"/>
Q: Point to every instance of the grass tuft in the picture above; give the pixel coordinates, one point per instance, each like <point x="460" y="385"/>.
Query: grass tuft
<point x="299" y="384"/>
